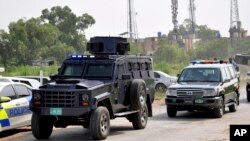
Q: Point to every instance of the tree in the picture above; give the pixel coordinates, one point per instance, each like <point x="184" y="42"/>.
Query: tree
<point x="53" y="35"/>
<point x="72" y="27"/>
<point x="213" y="49"/>
<point x="5" y="50"/>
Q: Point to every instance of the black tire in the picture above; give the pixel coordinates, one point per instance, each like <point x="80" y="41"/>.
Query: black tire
<point x="100" y="123"/>
<point x="140" y="119"/>
<point x="248" y="96"/>
<point x="171" y="112"/>
<point x="41" y="126"/>
<point x="160" y="87"/>
<point x="233" y="108"/>
<point x="138" y="94"/>
<point x="219" y="112"/>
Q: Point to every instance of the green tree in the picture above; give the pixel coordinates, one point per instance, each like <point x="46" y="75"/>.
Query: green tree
<point x="213" y="49"/>
<point x="5" y="48"/>
<point x="72" y="27"/>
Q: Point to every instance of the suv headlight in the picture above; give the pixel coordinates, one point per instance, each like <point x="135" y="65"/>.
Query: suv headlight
<point x="210" y="92"/>
<point x="171" y="92"/>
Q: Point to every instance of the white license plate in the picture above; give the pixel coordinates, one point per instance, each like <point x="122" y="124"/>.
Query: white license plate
<point x="198" y="101"/>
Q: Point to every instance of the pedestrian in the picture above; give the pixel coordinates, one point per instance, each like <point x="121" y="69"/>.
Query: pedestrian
<point x="231" y="61"/>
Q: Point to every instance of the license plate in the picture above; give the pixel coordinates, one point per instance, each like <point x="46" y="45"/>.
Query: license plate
<point x="198" y="101"/>
<point x="56" y="111"/>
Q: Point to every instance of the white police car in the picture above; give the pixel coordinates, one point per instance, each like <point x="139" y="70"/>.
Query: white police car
<point x="14" y="105"/>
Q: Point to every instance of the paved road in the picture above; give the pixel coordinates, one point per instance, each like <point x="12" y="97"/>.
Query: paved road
<point x="196" y="126"/>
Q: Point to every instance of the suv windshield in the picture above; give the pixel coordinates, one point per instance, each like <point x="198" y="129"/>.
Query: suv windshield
<point x="200" y="75"/>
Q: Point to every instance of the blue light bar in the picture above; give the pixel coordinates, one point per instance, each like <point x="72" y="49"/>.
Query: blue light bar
<point x="76" y="56"/>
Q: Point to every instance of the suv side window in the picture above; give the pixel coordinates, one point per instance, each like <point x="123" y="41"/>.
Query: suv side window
<point x="156" y="75"/>
<point x="232" y="71"/>
<point x="225" y="74"/>
<point x="21" y="90"/>
<point x="25" y="82"/>
<point x="9" y="92"/>
<point x="230" y="76"/>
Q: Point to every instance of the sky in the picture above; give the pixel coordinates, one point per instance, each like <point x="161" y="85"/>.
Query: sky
<point x="111" y="15"/>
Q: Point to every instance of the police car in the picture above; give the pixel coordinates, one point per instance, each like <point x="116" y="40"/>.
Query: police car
<point x="14" y="105"/>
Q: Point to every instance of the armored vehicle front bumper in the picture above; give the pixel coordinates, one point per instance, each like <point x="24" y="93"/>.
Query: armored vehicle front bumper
<point x="190" y="103"/>
<point x="45" y="111"/>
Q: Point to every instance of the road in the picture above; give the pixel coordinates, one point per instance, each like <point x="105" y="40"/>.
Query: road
<point x="189" y="126"/>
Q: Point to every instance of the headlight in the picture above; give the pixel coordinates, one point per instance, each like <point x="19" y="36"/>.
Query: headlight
<point x="210" y="92"/>
<point x="171" y="92"/>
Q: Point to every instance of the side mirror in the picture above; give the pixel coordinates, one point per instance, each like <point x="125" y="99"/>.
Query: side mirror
<point x="4" y="99"/>
<point x="126" y="76"/>
<point x="178" y="75"/>
<point x="53" y="77"/>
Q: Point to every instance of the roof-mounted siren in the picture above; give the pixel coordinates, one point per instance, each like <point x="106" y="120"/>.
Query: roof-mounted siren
<point x="108" y="45"/>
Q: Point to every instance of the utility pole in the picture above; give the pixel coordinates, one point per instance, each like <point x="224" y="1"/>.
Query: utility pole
<point x="174" y="14"/>
<point x="191" y="33"/>
<point x="132" y="25"/>
<point x="235" y="23"/>
<point x="192" y="17"/>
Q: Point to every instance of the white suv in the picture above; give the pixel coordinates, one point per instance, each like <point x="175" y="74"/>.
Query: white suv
<point x="31" y="82"/>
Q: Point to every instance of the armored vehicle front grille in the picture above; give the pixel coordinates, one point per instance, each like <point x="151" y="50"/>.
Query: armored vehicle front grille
<point x="189" y="93"/>
<point x="58" y="99"/>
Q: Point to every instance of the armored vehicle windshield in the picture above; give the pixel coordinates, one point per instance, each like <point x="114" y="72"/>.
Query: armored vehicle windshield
<point x="87" y="69"/>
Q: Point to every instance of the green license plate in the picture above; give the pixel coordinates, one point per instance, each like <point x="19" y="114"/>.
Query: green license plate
<point x="198" y="101"/>
<point x="56" y="111"/>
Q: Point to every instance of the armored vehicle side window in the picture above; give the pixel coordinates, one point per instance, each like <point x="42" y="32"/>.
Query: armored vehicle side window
<point x="73" y="70"/>
<point x="99" y="70"/>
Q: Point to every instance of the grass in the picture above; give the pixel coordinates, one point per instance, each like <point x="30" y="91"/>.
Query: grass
<point x="29" y="70"/>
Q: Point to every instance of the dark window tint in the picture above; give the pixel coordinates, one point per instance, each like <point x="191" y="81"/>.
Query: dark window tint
<point x="156" y="75"/>
<point x="99" y="70"/>
<point x="73" y="70"/>
<point x="25" y="82"/>
<point x="9" y="92"/>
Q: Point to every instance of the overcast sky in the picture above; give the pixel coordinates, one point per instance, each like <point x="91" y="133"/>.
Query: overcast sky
<point x="111" y="15"/>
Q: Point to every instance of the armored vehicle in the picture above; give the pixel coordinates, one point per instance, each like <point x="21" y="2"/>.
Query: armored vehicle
<point x="204" y="87"/>
<point x="89" y="90"/>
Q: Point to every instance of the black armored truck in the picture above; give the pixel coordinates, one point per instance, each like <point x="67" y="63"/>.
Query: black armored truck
<point x="89" y="90"/>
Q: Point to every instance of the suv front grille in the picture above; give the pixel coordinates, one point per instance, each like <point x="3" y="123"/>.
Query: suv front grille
<point x="189" y="93"/>
<point x="59" y="99"/>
